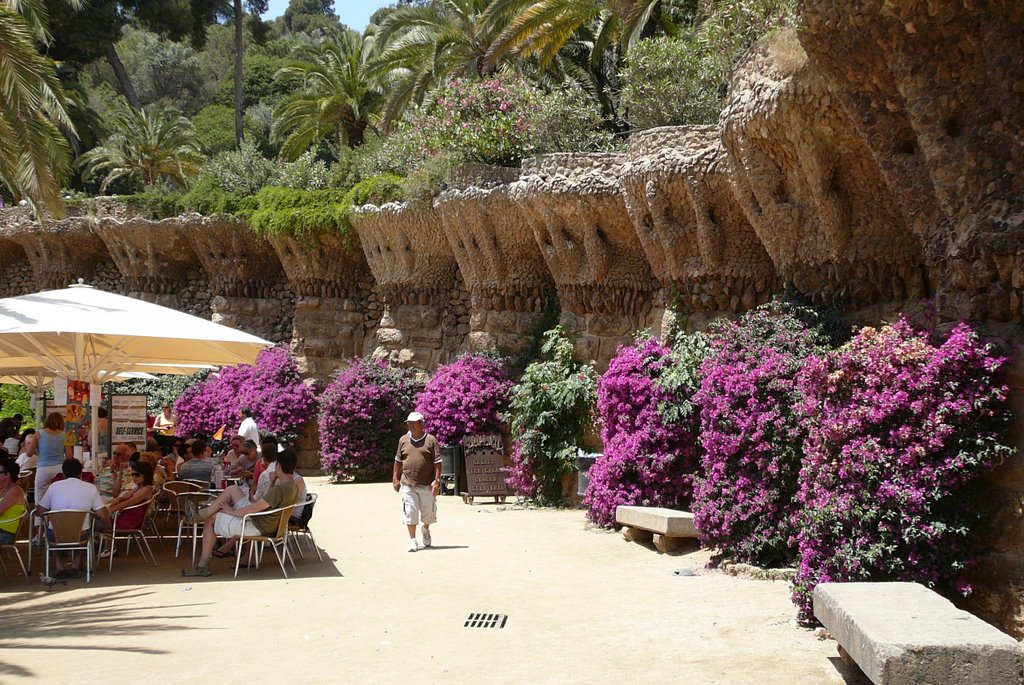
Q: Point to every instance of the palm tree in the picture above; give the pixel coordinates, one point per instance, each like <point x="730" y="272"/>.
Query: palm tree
<point x="337" y="98"/>
<point x="34" y="155"/>
<point x="425" y="45"/>
<point x="147" y="145"/>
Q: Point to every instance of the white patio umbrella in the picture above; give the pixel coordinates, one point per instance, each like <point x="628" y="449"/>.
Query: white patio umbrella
<point x="83" y="333"/>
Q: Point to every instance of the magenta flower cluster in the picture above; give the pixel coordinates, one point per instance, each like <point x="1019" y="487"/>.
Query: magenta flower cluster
<point x="362" y="414"/>
<point x="647" y="459"/>
<point x="752" y="436"/>
<point x="281" y="403"/>
<point x="898" y="429"/>
<point x="467" y="397"/>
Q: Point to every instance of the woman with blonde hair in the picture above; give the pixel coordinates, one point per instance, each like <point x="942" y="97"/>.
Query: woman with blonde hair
<point x="51" y="450"/>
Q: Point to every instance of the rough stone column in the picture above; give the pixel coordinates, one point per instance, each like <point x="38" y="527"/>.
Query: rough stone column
<point x="811" y="189"/>
<point x="934" y="92"/>
<point x="509" y="283"/>
<point x="18" y="278"/>
<point x="61" y="252"/>
<point x="697" y="238"/>
<point x="580" y="222"/>
<point x="334" y="299"/>
<point x="249" y="288"/>
<point x="157" y="262"/>
<point x="426" y="316"/>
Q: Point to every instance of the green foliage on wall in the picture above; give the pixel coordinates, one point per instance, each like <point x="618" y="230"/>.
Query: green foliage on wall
<point x="299" y="213"/>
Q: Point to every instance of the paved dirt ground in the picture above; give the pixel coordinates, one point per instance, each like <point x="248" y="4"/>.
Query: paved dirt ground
<point x="583" y="606"/>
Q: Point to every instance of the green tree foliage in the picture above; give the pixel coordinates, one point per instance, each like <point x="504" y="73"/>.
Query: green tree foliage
<point x="16" y="399"/>
<point x="424" y="45"/>
<point x="34" y="155"/>
<point x="259" y="82"/>
<point x="307" y="16"/>
<point x="337" y="96"/>
<point x="164" y="389"/>
<point x="164" y="72"/>
<point x="147" y="146"/>
<point x="683" y="79"/>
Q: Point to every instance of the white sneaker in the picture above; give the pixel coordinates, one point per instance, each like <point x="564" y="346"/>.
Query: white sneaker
<point x="412" y="545"/>
<point x="107" y="553"/>
<point x="426" y="537"/>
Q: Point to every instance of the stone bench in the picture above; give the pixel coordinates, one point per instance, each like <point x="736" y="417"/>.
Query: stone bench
<point x="903" y="633"/>
<point x="667" y="527"/>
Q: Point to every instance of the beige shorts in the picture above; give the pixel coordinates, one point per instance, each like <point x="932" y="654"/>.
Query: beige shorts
<point x="228" y="526"/>
<point x="418" y="504"/>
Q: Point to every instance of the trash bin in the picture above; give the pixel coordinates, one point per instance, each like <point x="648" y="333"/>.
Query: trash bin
<point x="584" y="460"/>
<point x="451" y="466"/>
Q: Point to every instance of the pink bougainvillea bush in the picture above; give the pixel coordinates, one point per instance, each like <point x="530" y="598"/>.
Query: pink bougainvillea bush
<point x="466" y="397"/>
<point x="362" y="415"/>
<point x="649" y="428"/>
<point x="898" y="429"/>
<point x="751" y="434"/>
<point x="203" y="408"/>
<point x="281" y="403"/>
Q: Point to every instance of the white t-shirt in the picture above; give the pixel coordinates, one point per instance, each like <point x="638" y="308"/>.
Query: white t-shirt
<point x="72" y="493"/>
<point x="251" y="431"/>
<point x="12" y="445"/>
<point x="27" y="462"/>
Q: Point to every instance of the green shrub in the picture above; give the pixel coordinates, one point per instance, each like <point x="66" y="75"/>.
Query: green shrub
<point x="569" y="121"/>
<point x="208" y="198"/>
<point x="153" y="204"/>
<point x="300" y="213"/>
<point x="493" y="121"/>
<point x="683" y="80"/>
<point x="307" y="172"/>
<point x="215" y="128"/>
<point x="376" y="190"/>
<point x="551" y="407"/>
<point x="243" y="171"/>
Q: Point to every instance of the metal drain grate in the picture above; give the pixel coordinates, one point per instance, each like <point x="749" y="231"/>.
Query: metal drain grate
<point x="485" y="621"/>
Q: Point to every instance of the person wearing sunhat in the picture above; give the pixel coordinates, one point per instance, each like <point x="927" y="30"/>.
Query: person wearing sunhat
<point x="417" y="477"/>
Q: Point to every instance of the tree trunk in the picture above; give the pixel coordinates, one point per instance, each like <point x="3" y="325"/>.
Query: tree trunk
<point x="239" y="21"/>
<point x="121" y="74"/>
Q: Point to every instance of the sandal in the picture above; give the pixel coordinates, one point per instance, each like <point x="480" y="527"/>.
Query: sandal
<point x="221" y="554"/>
<point x="64" y="575"/>
<point x="197" y="572"/>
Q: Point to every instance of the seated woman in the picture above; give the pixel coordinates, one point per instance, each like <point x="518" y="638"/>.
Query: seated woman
<point x="28" y="457"/>
<point x="142" y="474"/>
<point x="153" y="459"/>
<point x="12" y="500"/>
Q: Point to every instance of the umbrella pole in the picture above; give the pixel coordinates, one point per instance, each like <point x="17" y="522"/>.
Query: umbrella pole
<point x="94" y="428"/>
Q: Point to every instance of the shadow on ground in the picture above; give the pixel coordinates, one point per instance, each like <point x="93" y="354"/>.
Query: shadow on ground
<point x="46" y="626"/>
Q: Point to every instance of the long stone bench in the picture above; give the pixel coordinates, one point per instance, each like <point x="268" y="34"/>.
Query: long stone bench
<point x="666" y="527"/>
<point x="903" y="633"/>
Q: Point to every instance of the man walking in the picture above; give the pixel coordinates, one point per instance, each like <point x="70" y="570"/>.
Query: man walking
<point x="417" y="476"/>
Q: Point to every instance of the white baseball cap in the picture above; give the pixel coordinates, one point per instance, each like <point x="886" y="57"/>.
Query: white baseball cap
<point x="414" y="417"/>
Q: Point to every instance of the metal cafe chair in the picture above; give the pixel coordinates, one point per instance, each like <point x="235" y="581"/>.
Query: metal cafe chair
<point x="68" y="535"/>
<point x="300" y="528"/>
<point x="24" y="525"/>
<point x="278" y="541"/>
<point x="127" y="534"/>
